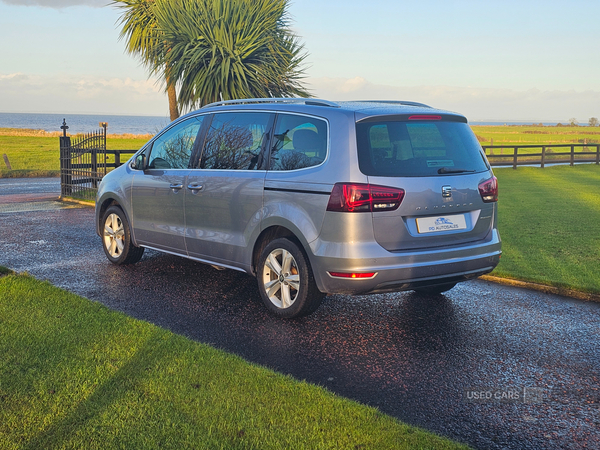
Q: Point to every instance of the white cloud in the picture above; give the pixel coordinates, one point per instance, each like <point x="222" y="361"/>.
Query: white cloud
<point x="353" y="85"/>
<point x="478" y="104"/>
<point x="22" y="92"/>
<point x="57" y="4"/>
<point x="81" y="94"/>
<point x="14" y="77"/>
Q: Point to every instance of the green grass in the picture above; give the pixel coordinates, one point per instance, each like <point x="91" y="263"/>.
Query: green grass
<point x="522" y="135"/>
<point x="549" y="220"/>
<point x="74" y="374"/>
<point x="34" y="156"/>
<point x="30" y="153"/>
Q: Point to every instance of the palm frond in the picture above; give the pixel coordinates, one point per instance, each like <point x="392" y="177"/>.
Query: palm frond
<point x="139" y="27"/>
<point x="229" y="49"/>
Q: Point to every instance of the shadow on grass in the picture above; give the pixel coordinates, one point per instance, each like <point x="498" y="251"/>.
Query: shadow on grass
<point x="126" y="378"/>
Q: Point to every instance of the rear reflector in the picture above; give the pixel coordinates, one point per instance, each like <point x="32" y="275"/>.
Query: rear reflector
<point x="489" y="190"/>
<point x="359" y="197"/>
<point x="425" y="117"/>
<point x="352" y="275"/>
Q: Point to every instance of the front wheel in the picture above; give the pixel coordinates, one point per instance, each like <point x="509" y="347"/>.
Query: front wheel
<point x="285" y="280"/>
<point x="116" y="238"/>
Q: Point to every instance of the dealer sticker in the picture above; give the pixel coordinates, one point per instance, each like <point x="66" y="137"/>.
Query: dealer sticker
<point x="441" y="223"/>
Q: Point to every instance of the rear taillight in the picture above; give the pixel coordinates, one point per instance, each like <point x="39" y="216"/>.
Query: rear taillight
<point x="489" y="190"/>
<point x="359" y="197"/>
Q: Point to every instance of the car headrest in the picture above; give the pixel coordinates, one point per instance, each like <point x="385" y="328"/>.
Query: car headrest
<point x="306" y="140"/>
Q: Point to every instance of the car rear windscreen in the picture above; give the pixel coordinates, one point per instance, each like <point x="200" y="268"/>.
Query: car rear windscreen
<point x="414" y="148"/>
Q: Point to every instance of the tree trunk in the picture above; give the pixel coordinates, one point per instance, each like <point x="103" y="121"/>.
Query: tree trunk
<point x="172" y="93"/>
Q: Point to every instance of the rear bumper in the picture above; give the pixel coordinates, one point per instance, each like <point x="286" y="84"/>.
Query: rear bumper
<point x="404" y="270"/>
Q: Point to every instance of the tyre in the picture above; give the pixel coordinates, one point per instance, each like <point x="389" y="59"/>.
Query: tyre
<point x="116" y="238"/>
<point x="434" y="290"/>
<point x="285" y="280"/>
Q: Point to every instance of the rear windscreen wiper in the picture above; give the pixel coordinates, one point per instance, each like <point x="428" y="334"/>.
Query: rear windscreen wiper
<point x="450" y="170"/>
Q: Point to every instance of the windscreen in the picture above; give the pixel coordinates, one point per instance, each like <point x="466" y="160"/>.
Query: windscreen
<point x="418" y="148"/>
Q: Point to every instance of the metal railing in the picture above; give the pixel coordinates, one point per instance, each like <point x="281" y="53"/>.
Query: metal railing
<point x="84" y="160"/>
<point x="522" y="155"/>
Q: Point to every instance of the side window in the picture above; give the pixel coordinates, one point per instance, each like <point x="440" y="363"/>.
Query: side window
<point x="172" y="150"/>
<point x="236" y="141"/>
<point x="298" y="142"/>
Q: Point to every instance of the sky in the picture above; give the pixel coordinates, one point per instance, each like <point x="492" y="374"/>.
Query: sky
<point x="491" y="60"/>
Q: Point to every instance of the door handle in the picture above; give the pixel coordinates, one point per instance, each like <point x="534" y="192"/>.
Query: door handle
<point x="176" y="187"/>
<point x="195" y="187"/>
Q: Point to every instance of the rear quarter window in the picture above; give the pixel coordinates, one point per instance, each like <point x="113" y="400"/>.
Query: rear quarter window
<point x="418" y="148"/>
<point x="298" y="142"/>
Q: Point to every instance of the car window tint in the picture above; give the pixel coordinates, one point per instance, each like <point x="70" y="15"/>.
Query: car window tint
<point x="398" y="148"/>
<point x="172" y="150"/>
<point x="298" y="142"/>
<point x="236" y="141"/>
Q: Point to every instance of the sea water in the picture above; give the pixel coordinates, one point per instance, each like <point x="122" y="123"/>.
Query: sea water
<point x="84" y="123"/>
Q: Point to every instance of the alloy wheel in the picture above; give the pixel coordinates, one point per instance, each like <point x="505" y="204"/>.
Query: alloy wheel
<point x="114" y="235"/>
<point x="281" y="278"/>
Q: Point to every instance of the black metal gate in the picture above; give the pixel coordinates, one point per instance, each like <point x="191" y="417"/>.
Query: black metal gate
<point x="84" y="160"/>
<point x="82" y="163"/>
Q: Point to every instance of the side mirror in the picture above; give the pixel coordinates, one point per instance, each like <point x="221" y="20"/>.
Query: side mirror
<point x="140" y="162"/>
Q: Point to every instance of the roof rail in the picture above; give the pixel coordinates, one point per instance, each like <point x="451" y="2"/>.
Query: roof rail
<point x="306" y="101"/>
<point x="397" y="102"/>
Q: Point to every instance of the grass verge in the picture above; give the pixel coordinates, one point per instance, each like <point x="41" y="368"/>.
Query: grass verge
<point x="79" y="201"/>
<point x="35" y="173"/>
<point x="76" y="375"/>
<point x="548" y="221"/>
<point x="35" y="155"/>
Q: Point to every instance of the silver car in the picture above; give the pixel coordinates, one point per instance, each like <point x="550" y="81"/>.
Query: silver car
<point x="311" y="197"/>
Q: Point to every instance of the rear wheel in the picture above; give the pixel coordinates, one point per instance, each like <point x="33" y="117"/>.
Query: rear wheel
<point x="433" y="290"/>
<point x="285" y="280"/>
<point x="116" y="238"/>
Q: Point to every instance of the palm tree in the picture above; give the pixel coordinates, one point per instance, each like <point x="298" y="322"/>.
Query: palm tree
<point x="143" y="39"/>
<point x="228" y="49"/>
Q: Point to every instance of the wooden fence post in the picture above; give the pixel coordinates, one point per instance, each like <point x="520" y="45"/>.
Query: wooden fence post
<point x="543" y="157"/>
<point x="598" y="154"/>
<point x="572" y="155"/>
<point x="7" y="162"/>
<point x="515" y="157"/>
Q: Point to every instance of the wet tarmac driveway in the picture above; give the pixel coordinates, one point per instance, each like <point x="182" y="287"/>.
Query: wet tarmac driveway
<point x="422" y="359"/>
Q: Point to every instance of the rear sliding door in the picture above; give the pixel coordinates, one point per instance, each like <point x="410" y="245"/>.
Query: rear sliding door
<point x="224" y="194"/>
